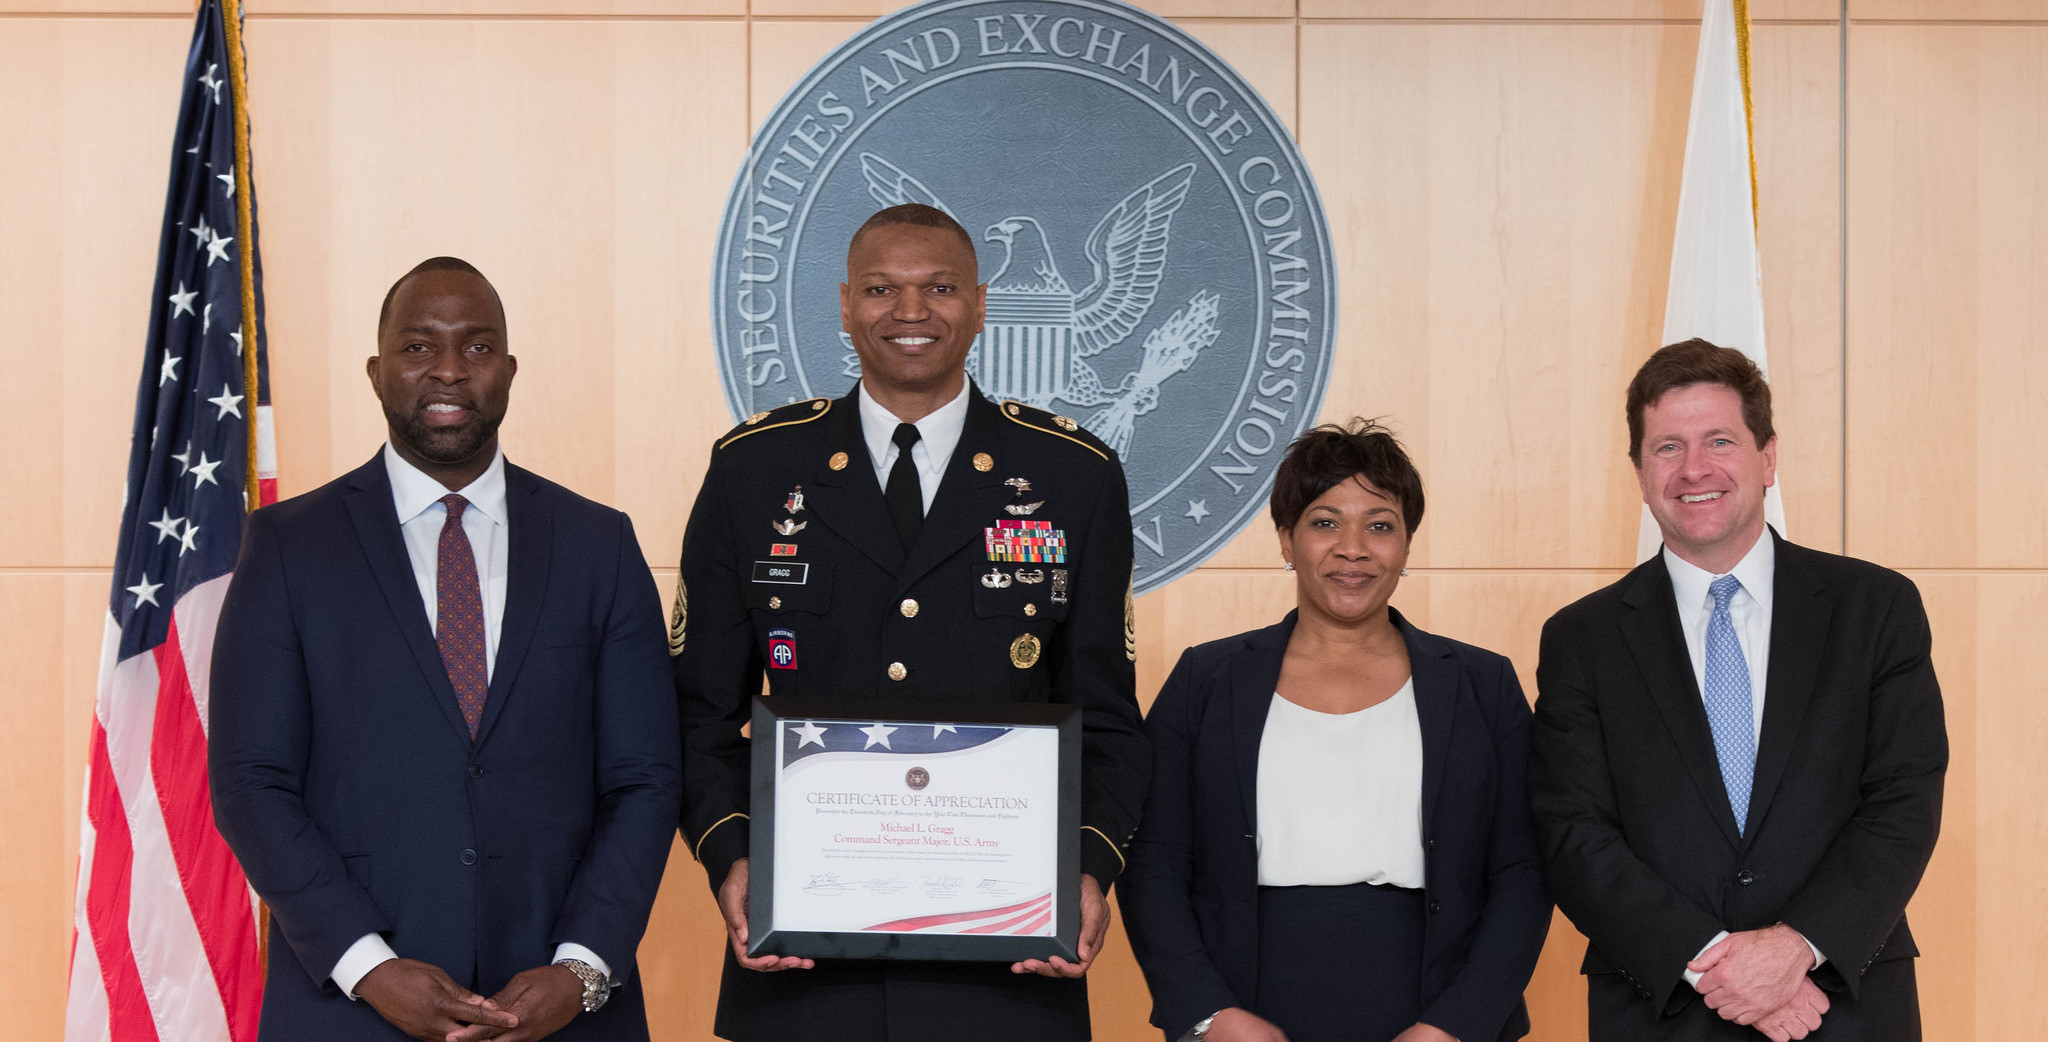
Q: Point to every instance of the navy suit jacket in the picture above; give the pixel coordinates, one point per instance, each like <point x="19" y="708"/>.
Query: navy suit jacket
<point x="347" y="784"/>
<point x="1190" y="895"/>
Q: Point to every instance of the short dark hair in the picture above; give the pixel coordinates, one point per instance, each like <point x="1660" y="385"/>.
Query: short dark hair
<point x="430" y="264"/>
<point x="1329" y="455"/>
<point x="1692" y="362"/>
<point x="917" y="214"/>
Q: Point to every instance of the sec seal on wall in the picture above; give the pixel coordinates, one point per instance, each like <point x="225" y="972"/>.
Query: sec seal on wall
<point x="1157" y="259"/>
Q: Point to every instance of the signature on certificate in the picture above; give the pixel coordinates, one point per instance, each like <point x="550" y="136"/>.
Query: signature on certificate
<point x="998" y="887"/>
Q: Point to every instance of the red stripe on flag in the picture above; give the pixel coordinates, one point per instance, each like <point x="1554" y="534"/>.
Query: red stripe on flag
<point x="266" y="491"/>
<point x="106" y="900"/>
<point x="925" y="921"/>
<point x="215" y="888"/>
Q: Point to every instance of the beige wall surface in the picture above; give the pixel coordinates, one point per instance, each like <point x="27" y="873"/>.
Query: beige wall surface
<point x="1501" y="178"/>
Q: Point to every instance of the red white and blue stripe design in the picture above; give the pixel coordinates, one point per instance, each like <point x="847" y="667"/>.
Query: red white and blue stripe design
<point x="167" y="937"/>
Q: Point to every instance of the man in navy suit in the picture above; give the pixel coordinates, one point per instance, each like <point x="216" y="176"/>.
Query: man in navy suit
<point x="1738" y="755"/>
<point x="443" y="740"/>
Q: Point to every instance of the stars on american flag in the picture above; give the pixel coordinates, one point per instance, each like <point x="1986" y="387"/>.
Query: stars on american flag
<point x="145" y="591"/>
<point x="168" y="371"/>
<point x="212" y="81"/>
<point x="217" y="247"/>
<point x="878" y="734"/>
<point x="202" y="471"/>
<point x="227" y="402"/>
<point x="181" y="301"/>
<point x="810" y="734"/>
<point x="166" y="526"/>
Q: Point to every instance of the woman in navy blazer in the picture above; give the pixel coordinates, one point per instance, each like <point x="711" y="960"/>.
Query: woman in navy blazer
<point x="1435" y="913"/>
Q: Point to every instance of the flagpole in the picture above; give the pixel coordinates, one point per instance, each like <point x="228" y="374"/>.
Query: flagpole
<point x="1748" y="107"/>
<point x="245" y="219"/>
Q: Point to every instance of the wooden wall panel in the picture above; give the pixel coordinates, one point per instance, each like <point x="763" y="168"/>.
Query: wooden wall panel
<point x="1558" y="10"/>
<point x="32" y="820"/>
<point x="1948" y="362"/>
<point x="2008" y="729"/>
<point x="1948" y="10"/>
<point x="97" y="99"/>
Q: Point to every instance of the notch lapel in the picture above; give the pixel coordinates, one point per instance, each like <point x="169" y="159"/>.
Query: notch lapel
<point x="1800" y="616"/>
<point x="968" y="499"/>
<point x="530" y="524"/>
<point x="376" y="523"/>
<point x="1657" y="643"/>
<point x="1254" y="679"/>
<point x="1437" y="683"/>
<point x="849" y="502"/>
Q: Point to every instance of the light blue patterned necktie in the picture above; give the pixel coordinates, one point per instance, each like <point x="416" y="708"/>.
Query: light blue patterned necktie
<point x="1729" y="710"/>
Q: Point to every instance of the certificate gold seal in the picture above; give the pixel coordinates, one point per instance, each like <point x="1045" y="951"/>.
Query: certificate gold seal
<point x="1024" y="651"/>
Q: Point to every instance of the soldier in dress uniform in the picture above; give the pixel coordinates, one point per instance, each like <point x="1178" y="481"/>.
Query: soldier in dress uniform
<point x="911" y="539"/>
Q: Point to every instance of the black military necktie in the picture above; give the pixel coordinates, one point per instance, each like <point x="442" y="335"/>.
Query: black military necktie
<point x="904" y="494"/>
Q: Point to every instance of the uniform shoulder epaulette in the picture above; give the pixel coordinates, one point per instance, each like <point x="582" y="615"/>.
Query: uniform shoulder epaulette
<point x="1054" y="424"/>
<point x="786" y="416"/>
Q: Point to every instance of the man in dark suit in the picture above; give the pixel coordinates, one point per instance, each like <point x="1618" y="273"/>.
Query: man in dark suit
<point x="843" y="547"/>
<point x="442" y="741"/>
<point x="1738" y="755"/>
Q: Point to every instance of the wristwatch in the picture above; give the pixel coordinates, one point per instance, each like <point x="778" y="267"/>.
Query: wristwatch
<point x="596" y="986"/>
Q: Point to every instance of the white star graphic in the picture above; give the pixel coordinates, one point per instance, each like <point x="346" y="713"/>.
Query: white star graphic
<point x="217" y="247"/>
<point x="236" y="336"/>
<point x="811" y="734"/>
<point x="229" y="180"/>
<point x="202" y="471"/>
<point x="937" y="729"/>
<point x="169" y="370"/>
<point x="206" y="319"/>
<point x="184" y="459"/>
<point x="212" y="82"/>
<point x="228" y="402"/>
<point x="202" y="233"/>
<point x="194" y="150"/>
<point x="181" y="301"/>
<point x="878" y="735"/>
<point x="185" y="540"/>
<point x="166" y="526"/>
<point x="145" y="591"/>
<point x="1198" y="509"/>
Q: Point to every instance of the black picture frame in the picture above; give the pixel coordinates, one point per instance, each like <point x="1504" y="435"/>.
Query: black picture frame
<point x="765" y="938"/>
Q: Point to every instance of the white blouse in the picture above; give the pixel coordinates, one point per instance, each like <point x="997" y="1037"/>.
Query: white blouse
<point x="1340" y="795"/>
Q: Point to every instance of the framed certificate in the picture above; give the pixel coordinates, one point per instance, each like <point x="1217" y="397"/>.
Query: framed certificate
<point x="908" y="830"/>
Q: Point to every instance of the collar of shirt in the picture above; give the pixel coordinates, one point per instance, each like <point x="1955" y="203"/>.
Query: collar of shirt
<point x="937" y="434"/>
<point x="413" y="492"/>
<point x="1756" y="571"/>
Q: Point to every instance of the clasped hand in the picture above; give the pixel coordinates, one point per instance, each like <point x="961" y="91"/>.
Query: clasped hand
<point x="1757" y="978"/>
<point x="424" y="1002"/>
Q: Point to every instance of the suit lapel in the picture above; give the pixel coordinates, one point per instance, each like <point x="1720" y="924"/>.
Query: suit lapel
<point x="1800" y="615"/>
<point x="1254" y="676"/>
<point x="1436" y="681"/>
<point x="848" y="501"/>
<point x="967" y="498"/>
<point x="530" y="525"/>
<point x="1657" y="643"/>
<point x="376" y="522"/>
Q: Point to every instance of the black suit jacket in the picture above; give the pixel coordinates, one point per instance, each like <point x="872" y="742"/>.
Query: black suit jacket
<point x="1642" y="848"/>
<point x="1190" y="897"/>
<point x="864" y="604"/>
<point x="346" y="782"/>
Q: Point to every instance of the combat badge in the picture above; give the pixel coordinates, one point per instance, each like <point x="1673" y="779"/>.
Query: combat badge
<point x="1024" y="651"/>
<point x="1059" y="586"/>
<point x="996" y="579"/>
<point x="788" y="526"/>
<point x="678" y="619"/>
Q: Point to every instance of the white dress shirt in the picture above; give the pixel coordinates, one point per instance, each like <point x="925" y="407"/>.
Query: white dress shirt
<point x="1340" y="795"/>
<point x="937" y="434"/>
<point x="1750" y="610"/>
<point x="484" y="521"/>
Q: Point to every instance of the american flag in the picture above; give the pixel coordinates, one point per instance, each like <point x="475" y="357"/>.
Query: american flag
<point x="166" y="937"/>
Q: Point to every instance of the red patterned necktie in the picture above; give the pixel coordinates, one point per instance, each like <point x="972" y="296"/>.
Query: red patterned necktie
<point x="459" y="616"/>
